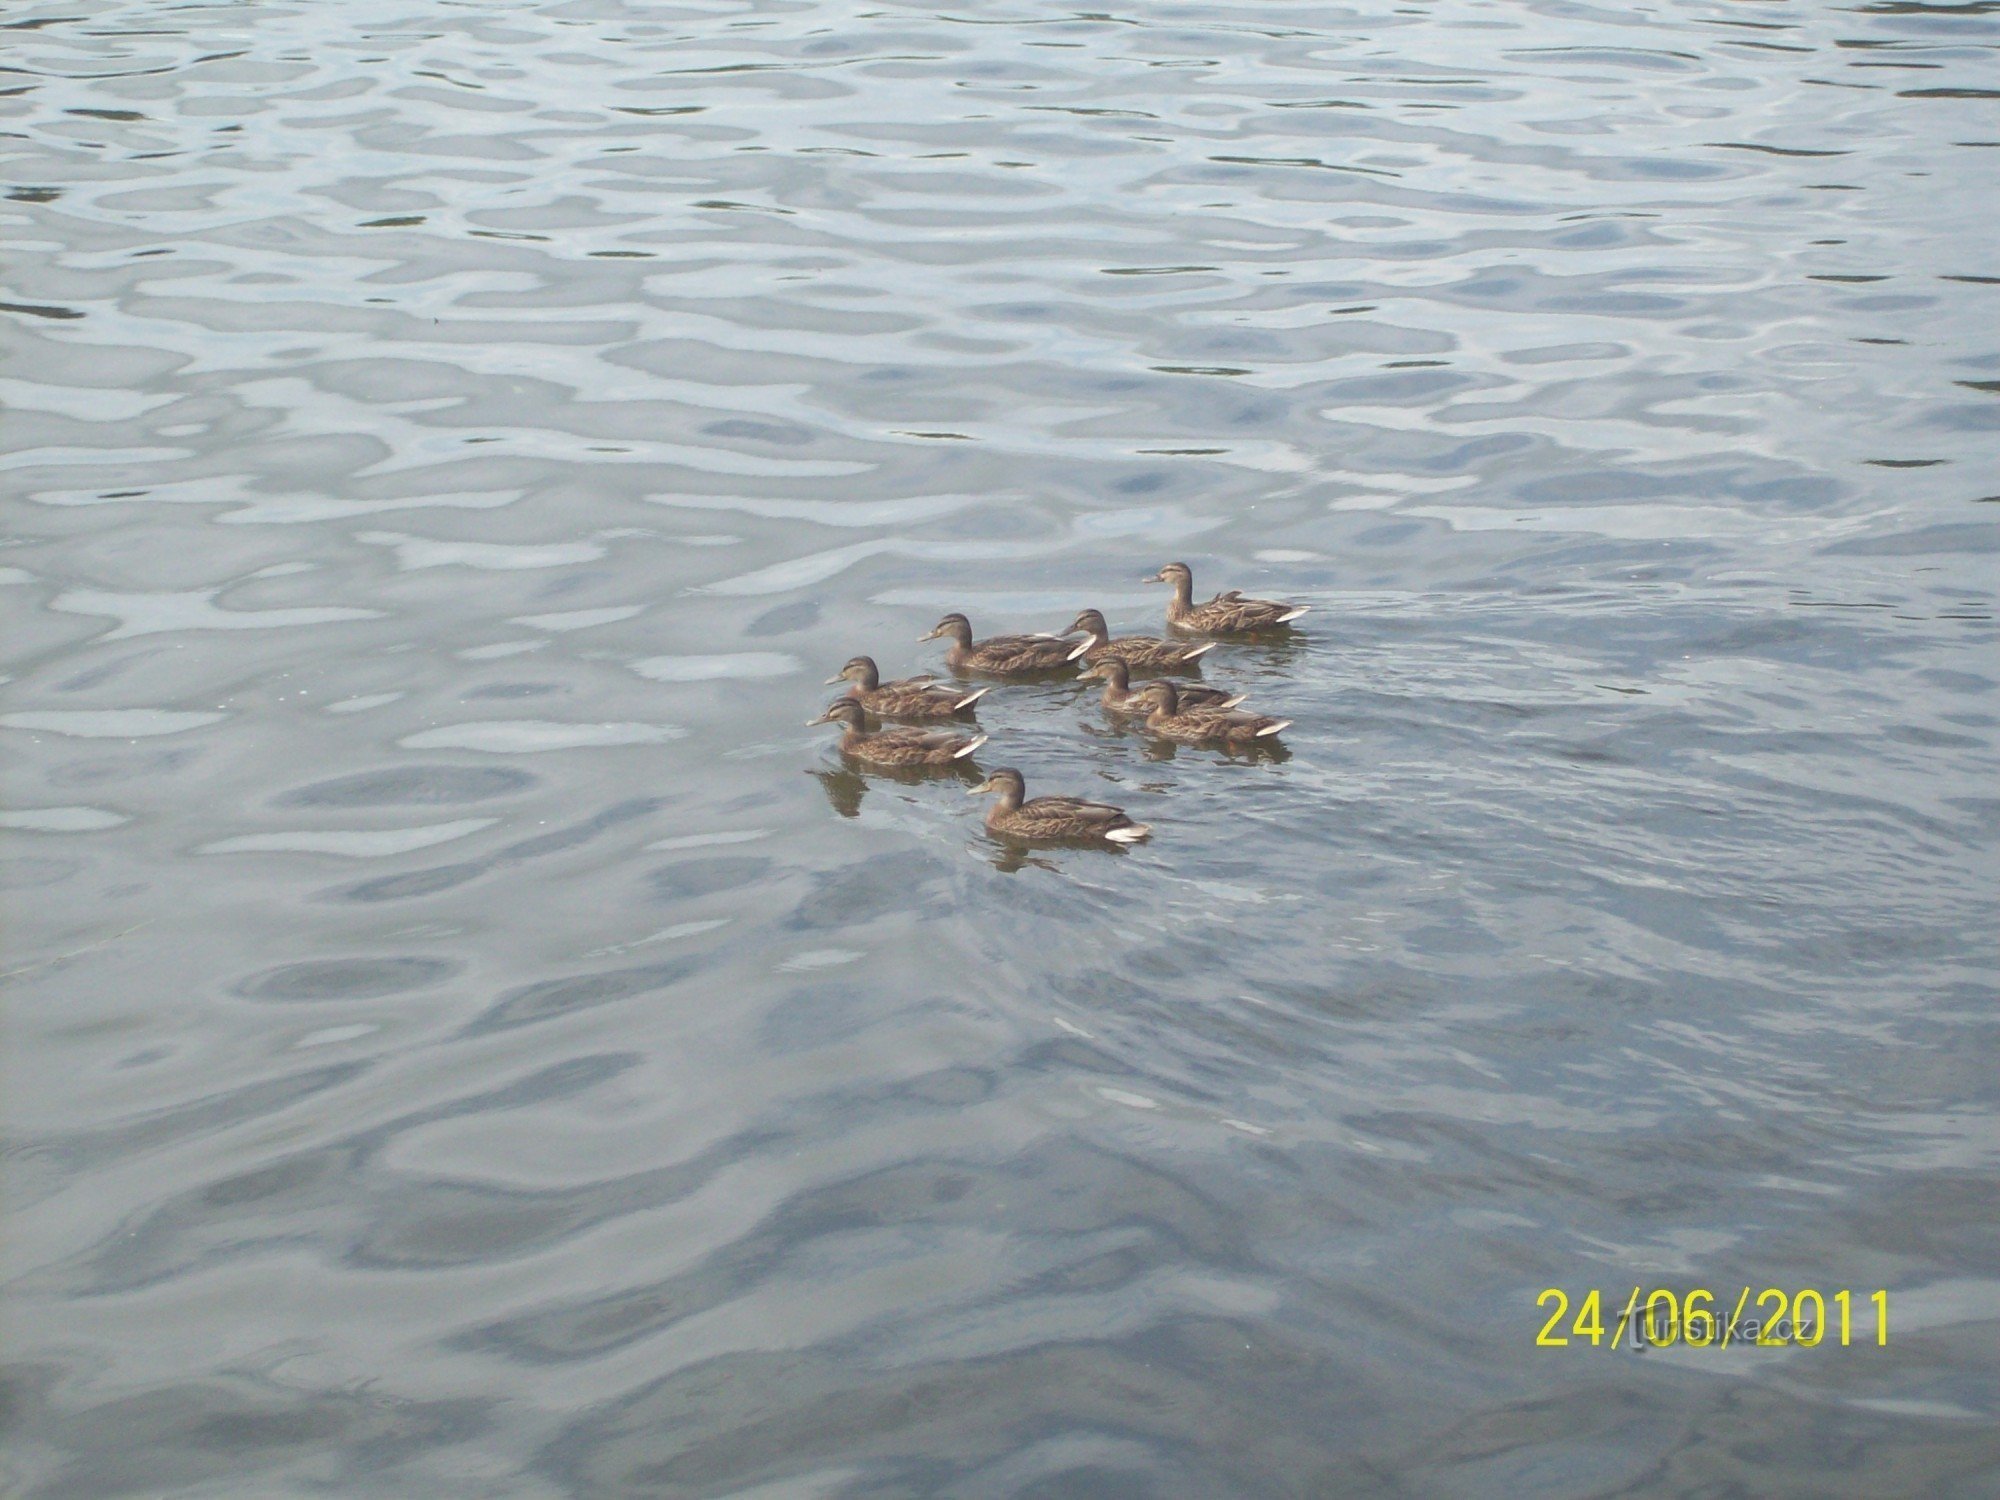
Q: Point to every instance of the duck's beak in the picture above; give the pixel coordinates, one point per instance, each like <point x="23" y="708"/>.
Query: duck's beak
<point x="841" y="677"/>
<point x="931" y="637"/>
<point x="822" y="719"/>
<point x="984" y="786"/>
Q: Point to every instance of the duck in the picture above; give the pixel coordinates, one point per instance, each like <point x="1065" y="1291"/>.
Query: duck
<point x="918" y="700"/>
<point x="1168" y="719"/>
<point x="1003" y="655"/>
<point x="1120" y="698"/>
<point x="1052" y="820"/>
<point x="1225" y="614"/>
<point x="896" y="749"/>
<point x="1143" y="652"/>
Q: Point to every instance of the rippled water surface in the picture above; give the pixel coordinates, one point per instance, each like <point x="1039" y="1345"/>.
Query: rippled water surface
<point x="464" y="1037"/>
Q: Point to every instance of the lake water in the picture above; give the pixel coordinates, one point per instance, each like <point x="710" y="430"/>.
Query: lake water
<point x="465" y="1037"/>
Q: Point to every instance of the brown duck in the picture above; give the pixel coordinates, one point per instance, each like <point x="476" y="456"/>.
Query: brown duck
<point x="1205" y="726"/>
<point x="919" y="700"/>
<point x="1003" y="655"/>
<point x="894" y="748"/>
<point x="1053" y="820"/>
<point x="1120" y="698"/>
<point x="1225" y="614"/>
<point x="1142" y="653"/>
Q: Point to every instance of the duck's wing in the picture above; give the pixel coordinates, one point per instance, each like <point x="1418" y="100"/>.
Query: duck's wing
<point x="1072" y="817"/>
<point x="1022" y="653"/>
<point x="941" y="742"/>
<point x="1101" y="820"/>
<point x="892" y="747"/>
<point x="1233" y="613"/>
<point x="915" y="699"/>
<point x="1220" y="613"/>
<point x="1209" y="697"/>
<point x="907" y="698"/>
<point x="922" y="682"/>
<point x="910" y="741"/>
<point x="1253" y="726"/>
<point x="1274" y="611"/>
<point x="1075" y="809"/>
<point x="1144" y="651"/>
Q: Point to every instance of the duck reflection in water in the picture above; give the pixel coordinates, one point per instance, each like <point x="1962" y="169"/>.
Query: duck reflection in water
<point x="845" y="787"/>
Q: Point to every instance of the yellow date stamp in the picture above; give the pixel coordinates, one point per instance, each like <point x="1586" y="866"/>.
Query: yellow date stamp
<point x="1660" y="1317"/>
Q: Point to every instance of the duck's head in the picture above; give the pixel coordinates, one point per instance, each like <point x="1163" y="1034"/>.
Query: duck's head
<point x="842" y="711"/>
<point x="1113" y="671"/>
<point x="1160" y="693"/>
<point x="953" y="625"/>
<point x="1090" y="622"/>
<point x="859" y="669"/>
<point x="1008" y="783"/>
<point x="1174" y="573"/>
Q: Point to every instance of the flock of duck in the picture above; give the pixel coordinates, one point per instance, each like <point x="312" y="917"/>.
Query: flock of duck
<point x="1182" y="712"/>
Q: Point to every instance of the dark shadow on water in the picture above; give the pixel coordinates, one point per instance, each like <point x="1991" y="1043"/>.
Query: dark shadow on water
<point x="844" y="789"/>
<point x="1011" y="858"/>
<point x="1278" y="648"/>
<point x="846" y="786"/>
<point x="1267" y="752"/>
<point x="1009" y="855"/>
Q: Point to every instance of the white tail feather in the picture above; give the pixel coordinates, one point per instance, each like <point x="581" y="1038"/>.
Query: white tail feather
<point x="1130" y="835"/>
<point x="1271" y="729"/>
<point x="1088" y="642"/>
<point x="1202" y="650"/>
<point x="972" y="697"/>
<point x="1292" y="614"/>
<point x="970" y="746"/>
<point x="1233" y="702"/>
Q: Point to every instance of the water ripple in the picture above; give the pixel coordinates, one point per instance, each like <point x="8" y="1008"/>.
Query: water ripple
<point x="484" y="427"/>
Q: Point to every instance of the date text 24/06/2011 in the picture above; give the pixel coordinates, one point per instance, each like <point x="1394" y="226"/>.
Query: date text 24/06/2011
<point x="1661" y="1318"/>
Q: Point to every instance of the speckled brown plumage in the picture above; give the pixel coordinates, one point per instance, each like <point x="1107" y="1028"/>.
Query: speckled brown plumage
<point x="1141" y="653"/>
<point x="1053" y="820"/>
<point x="1169" y="719"/>
<point x="895" y="748"/>
<point x="1225" y="614"/>
<point x="916" y="700"/>
<point x="1121" y="698"/>
<point x="1012" y="656"/>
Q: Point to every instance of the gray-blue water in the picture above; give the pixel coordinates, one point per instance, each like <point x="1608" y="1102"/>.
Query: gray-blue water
<point x="464" y="1037"/>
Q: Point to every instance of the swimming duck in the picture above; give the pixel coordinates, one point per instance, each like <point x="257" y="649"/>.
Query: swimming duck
<point x="1225" y="614"/>
<point x="1053" y="820"/>
<point x="1003" y="655"/>
<point x="1120" y="698"/>
<point x="1144" y="652"/>
<point x="919" y="700"/>
<point x="1205" y="726"/>
<point x="894" y="748"/>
